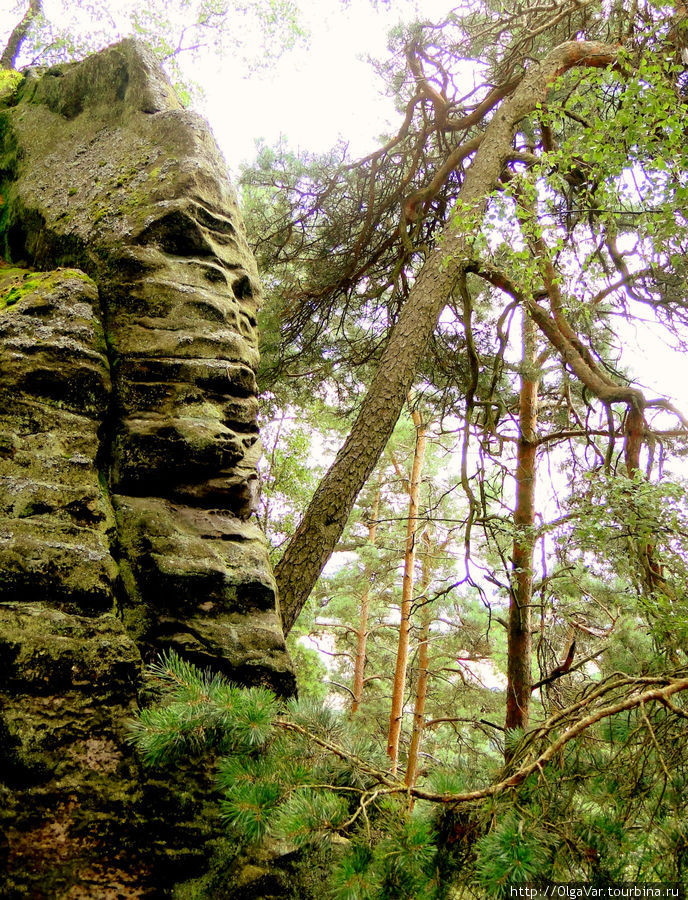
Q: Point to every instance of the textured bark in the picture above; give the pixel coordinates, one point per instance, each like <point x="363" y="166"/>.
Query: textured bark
<point x="423" y="671"/>
<point x="362" y="633"/>
<point x="18" y="36"/>
<point x="652" y="569"/>
<point x="578" y="359"/>
<point x="519" y="679"/>
<point x="327" y="514"/>
<point x="633" y="438"/>
<point x="399" y="686"/>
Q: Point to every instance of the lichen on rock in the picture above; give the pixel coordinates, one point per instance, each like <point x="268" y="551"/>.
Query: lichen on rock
<point x="128" y="450"/>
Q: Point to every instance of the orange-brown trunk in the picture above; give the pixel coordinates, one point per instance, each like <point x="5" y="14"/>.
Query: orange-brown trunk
<point x="519" y="634"/>
<point x="423" y="671"/>
<point x="362" y="633"/>
<point x="406" y="597"/>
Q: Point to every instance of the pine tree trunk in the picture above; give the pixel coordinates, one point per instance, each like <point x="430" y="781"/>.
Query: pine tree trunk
<point x="399" y="686"/>
<point x="325" y="519"/>
<point x="362" y="634"/>
<point x="644" y="547"/>
<point x="19" y="35"/>
<point x="423" y="670"/>
<point x="519" y="679"/>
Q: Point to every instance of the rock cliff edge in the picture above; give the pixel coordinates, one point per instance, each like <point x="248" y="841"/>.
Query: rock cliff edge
<point x="128" y="451"/>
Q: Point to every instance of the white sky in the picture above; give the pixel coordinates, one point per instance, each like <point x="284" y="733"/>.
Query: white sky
<point x="313" y="96"/>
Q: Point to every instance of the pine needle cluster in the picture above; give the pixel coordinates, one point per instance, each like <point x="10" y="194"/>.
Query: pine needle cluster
<point x="609" y="806"/>
<point x="299" y="772"/>
<point x="203" y="712"/>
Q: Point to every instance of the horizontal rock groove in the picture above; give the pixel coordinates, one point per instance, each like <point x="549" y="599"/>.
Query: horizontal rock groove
<point x="128" y="451"/>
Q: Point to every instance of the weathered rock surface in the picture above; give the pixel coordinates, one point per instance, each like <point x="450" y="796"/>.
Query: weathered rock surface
<point x="128" y="450"/>
<point x="55" y="515"/>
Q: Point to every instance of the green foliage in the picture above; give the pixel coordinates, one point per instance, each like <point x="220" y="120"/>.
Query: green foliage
<point x="248" y="805"/>
<point x="250" y="725"/>
<point x="406" y="857"/>
<point x="180" y="34"/>
<point x="204" y="712"/>
<point x="9" y="82"/>
<point x="516" y="851"/>
<point x="586" y="226"/>
<point x="304" y="773"/>
<point x="512" y="738"/>
<point x="308" y="817"/>
<point x="311" y="672"/>
<point x="290" y="468"/>
<point x="355" y="878"/>
<point x="277" y="778"/>
<point x="630" y="649"/>
<point x="320" y="718"/>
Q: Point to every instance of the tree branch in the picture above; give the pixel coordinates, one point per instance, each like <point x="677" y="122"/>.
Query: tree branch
<point x="18" y="36"/>
<point x="328" y="512"/>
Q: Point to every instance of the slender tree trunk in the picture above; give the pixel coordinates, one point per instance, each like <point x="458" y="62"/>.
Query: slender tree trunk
<point x="399" y="686"/>
<point x="19" y="34"/>
<point x="362" y="635"/>
<point x="519" y="679"/>
<point x="562" y="336"/>
<point x="327" y="514"/>
<point x="423" y="669"/>
<point x="645" y="547"/>
<point x="633" y="438"/>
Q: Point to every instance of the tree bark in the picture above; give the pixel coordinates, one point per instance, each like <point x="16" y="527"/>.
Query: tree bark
<point x="362" y="633"/>
<point x="423" y="670"/>
<point x="645" y="547"/>
<point x="564" y="339"/>
<point x="399" y="686"/>
<point x="327" y="514"/>
<point x="519" y="678"/>
<point x="19" y="33"/>
<point x="572" y="350"/>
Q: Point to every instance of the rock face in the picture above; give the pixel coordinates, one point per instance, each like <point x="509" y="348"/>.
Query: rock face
<point x="128" y="450"/>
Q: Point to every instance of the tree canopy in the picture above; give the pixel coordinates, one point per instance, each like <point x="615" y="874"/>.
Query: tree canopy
<point x="181" y="34"/>
<point x="527" y="187"/>
<point x="485" y="268"/>
<point x="505" y="621"/>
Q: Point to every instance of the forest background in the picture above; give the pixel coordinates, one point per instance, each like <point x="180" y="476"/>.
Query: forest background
<point x="504" y="615"/>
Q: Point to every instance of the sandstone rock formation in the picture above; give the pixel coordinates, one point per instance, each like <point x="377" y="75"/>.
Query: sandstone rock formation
<point x="128" y="450"/>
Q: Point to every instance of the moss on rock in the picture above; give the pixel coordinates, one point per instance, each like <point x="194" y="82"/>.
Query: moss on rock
<point x="128" y="351"/>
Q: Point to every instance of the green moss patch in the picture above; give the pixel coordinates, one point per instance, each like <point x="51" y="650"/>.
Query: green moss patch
<point x="17" y="283"/>
<point x="9" y="82"/>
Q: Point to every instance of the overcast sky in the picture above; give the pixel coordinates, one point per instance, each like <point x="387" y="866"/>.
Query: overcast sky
<point x="317" y="93"/>
<point x="313" y="95"/>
